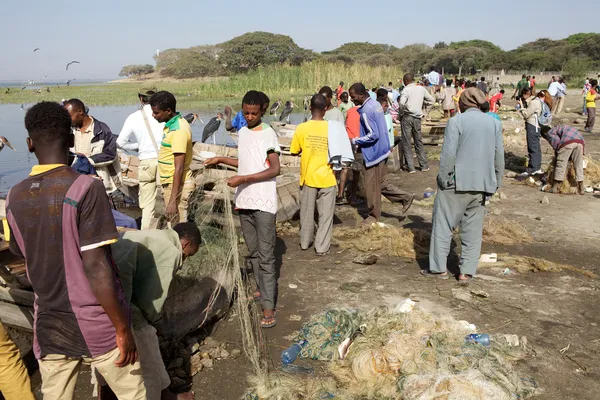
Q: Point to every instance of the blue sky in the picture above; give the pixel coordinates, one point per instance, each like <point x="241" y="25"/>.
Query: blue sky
<point x="106" y="35"/>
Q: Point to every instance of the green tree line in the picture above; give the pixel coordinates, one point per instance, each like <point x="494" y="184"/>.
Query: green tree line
<point x="575" y="55"/>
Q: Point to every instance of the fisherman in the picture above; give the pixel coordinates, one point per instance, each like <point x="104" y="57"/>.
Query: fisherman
<point x="81" y="313"/>
<point x="95" y="142"/>
<point x="256" y="198"/>
<point x="317" y="180"/>
<point x="412" y="101"/>
<point x="174" y="157"/>
<point x="147" y="262"/>
<point x="142" y="133"/>
<point x="332" y="113"/>
<point x="375" y="147"/>
<point x="568" y="144"/>
<point x="463" y="183"/>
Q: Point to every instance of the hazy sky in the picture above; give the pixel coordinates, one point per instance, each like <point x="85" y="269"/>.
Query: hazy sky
<point x="105" y="35"/>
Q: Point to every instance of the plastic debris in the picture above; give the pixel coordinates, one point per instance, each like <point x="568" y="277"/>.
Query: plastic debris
<point x="405" y="306"/>
<point x="293" y="286"/>
<point x="489" y="258"/>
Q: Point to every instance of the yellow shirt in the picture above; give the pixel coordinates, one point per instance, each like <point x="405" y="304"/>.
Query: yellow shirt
<point x="311" y="139"/>
<point x="590" y="99"/>
<point x="177" y="139"/>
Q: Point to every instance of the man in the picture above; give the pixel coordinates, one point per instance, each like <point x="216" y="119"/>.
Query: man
<point x="553" y="89"/>
<point x="559" y="97"/>
<point x="95" y="141"/>
<point x="481" y="85"/>
<point x="147" y="262"/>
<point x="463" y="183"/>
<point x="568" y="143"/>
<point x="340" y="91"/>
<point x="332" y="113"/>
<point x="237" y="123"/>
<point x="497" y="86"/>
<point x="523" y="84"/>
<point x="532" y="85"/>
<point x="62" y="226"/>
<point x="142" y="133"/>
<point x="495" y="101"/>
<point x="345" y="105"/>
<point x="174" y="157"/>
<point x="353" y="131"/>
<point x="412" y="101"/>
<point x="375" y="148"/>
<point x="14" y="379"/>
<point x="433" y="77"/>
<point x="317" y="180"/>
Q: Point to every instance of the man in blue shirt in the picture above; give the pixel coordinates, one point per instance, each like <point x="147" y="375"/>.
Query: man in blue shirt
<point x="374" y="145"/>
<point x="237" y="123"/>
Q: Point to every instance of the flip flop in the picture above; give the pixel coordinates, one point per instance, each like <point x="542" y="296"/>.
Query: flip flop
<point x="265" y="324"/>
<point x="465" y="282"/>
<point x="439" y="275"/>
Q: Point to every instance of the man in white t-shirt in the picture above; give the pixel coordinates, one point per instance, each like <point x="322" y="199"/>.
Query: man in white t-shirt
<point x="136" y="135"/>
<point x="256" y="198"/>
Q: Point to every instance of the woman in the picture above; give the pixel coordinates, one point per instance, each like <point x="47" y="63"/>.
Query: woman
<point x="531" y="110"/>
<point x="590" y="99"/>
<point x="447" y="99"/>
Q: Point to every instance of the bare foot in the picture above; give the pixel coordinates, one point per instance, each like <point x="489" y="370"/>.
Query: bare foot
<point x="186" y="396"/>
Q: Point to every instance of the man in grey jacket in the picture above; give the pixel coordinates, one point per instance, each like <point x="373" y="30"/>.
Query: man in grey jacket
<point x="471" y="168"/>
<point x="412" y="100"/>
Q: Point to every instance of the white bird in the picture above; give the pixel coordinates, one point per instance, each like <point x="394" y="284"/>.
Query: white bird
<point x="4" y="141"/>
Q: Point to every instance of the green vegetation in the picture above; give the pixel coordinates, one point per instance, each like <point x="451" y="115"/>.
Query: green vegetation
<point x="278" y="81"/>
<point x="136" y="70"/>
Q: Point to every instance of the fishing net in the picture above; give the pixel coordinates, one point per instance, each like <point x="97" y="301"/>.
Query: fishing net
<point x="397" y="355"/>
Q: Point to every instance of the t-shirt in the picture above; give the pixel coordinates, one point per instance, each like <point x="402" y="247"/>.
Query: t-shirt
<point x="147" y="261"/>
<point x="54" y="216"/>
<point x="353" y="123"/>
<point x="239" y="121"/>
<point x="311" y="139"/>
<point x="494" y="101"/>
<point x="590" y="99"/>
<point x="177" y="139"/>
<point x="344" y="107"/>
<point x="334" y="115"/>
<point x="254" y="146"/>
<point x="523" y="84"/>
<point x="493" y="115"/>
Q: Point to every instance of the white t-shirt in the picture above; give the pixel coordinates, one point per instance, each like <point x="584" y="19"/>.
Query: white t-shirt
<point x="134" y="135"/>
<point x="253" y="150"/>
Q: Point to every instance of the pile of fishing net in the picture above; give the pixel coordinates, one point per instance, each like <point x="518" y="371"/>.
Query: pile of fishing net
<point x="396" y="355"/>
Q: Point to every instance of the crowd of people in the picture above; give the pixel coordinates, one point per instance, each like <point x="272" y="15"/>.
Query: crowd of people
<point x="99" y="294"/>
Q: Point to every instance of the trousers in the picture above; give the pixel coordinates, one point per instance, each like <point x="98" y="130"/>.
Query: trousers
<point x="453" y="209"/>
<point x="182" y="199"/>
<point x="572" y="151"/>
<point x="534" y="149"/>
<point x="591" y="119"/>
<point x="376" y="185"/>
<point x="148" y="189"/>
<point x="14" y="380"/>
<point x="411" y="129"/>
<point x="324" y="202"/>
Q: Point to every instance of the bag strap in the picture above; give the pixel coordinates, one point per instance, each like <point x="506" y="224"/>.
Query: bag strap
<point x="149" y="130"/>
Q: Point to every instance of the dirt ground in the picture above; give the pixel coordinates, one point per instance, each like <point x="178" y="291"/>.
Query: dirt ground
<point x="553" y="309"/>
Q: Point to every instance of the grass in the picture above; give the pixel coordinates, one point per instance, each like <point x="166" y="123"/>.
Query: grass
<point x="277" y="81"/>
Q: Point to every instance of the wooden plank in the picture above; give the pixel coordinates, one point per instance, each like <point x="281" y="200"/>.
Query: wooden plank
<point x="17" y="296"/>
<point x="17" y="316"/>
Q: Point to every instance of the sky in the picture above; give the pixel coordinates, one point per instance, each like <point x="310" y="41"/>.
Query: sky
<point x="106" y="35"/>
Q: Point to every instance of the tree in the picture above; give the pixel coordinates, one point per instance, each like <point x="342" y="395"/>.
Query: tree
<point x="467" y="57"/>
<point x="131" y="70"/>
<point x="577" y="68"/>
<point x="193" y="65"/>
<point x="414" y="58"/>
<point x="362" y="49"/>
<point x="380" y="60"/>
<point x="440" y="46"/>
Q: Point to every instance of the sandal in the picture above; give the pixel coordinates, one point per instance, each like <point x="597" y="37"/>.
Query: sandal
<point x="465" y="282"/>
<point x="268" y="322"/>
<point x="440" y="275"/>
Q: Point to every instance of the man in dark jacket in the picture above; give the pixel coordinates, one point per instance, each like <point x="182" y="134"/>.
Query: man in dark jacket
<point x="94" y="140"/>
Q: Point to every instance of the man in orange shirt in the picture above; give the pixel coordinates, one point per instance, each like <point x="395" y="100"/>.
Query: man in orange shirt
<point x="339" y="91"/>
<point x="353" y="130"/>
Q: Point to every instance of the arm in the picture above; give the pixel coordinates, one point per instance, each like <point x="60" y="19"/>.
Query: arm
<point x="228" y="126"/>
<point x="371" y="137"/>
<point x="97" y="264"/>
<point x="427" y="98"/>
<point x="124" y="140"/>
<point x="109" y="151"/>
<point x="445" y="176"/>
<point x="296" y="146"/>
<point x="262" y="176"/>
<point x="499" y="155"/>
<point x="232" y="162"/>
<point x="531" y="109"/>
<point x="177" y="185"/>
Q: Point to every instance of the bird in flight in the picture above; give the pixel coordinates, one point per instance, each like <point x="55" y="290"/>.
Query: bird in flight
<point x="72" y="62"/>
<point x="4" y="141"/>
<point x="36" y="49"/>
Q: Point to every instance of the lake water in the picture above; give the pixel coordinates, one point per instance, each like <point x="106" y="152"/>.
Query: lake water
<point x="16" y="165"/>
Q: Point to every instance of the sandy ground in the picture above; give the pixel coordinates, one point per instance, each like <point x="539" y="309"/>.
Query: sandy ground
<point x="554" y="310"/>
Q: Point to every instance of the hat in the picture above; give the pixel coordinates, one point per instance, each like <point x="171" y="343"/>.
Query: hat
<point x="471" y="97"/>
<point x="147" y="90"/>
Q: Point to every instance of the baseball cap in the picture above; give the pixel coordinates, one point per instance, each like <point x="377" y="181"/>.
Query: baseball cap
<point x="147" y="90"/>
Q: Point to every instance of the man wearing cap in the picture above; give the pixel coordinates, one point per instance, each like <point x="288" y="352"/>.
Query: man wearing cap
<point x="142" y="133"/>
<point x="471" y="168"/>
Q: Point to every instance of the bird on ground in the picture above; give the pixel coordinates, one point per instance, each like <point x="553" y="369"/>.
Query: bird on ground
<point x="36" y="49"/>
<point x="275" y="107"/>
<point x="72" y="62"/>
<point x="7" y="91"/>
<point x="22" y="107"/>
<point x="212" y="126"/>
<point x="4" y="141"/>
<point x="287" y="110"/>
<point x="191" y="118"/>
<point x="24" y="87"/>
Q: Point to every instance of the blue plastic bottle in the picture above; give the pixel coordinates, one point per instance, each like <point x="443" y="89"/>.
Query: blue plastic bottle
<point x="479" y="338"/>
<point x="290" y="354"/>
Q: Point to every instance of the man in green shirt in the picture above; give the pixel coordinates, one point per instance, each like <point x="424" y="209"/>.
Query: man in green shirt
<point x="523" y="83"/>
<point x="147" y="260"/>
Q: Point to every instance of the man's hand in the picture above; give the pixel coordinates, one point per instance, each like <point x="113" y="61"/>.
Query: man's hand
<point x="127" y="350"/>
<point x="235" y="181"/>
<point x="212" y="161"/>
<point x="227" y="110"/>
<point x="171" y="211"/>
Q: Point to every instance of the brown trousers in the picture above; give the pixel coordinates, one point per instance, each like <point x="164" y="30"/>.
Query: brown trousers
<point x="591" y="119"/>
<point x="376" y="184"/>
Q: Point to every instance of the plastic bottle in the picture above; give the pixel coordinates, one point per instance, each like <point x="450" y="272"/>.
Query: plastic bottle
<point x="290" y="354"/>
<point x="479" y="338"/>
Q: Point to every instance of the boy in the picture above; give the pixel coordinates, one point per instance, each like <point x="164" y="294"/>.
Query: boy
<point x="256" y="198"/>
<point x="331" y="113"/>
<point x="62" y="226"/>
<point x="317" y="181"/>
<point x="345" y="104"/>
<point x="174" y="158"/>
